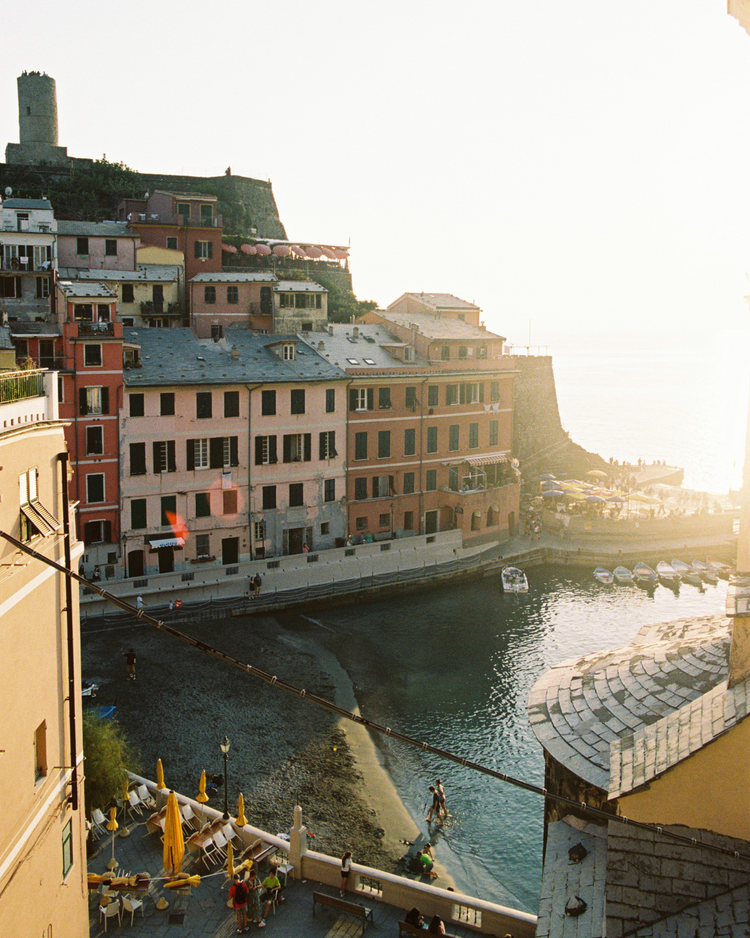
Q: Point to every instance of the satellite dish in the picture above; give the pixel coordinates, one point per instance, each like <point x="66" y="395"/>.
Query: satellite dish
<point x="8" y="192"/>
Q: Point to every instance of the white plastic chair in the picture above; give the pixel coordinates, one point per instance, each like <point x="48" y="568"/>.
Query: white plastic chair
<point x="98" y="821"/>
<point x="131" y="905"/>
<point x="109" y="911"/>
<point x="231" y="835"/>
<point x="135" y="802"/>
<point x="221" y="844"/>
<point x="189" y="817"/>
<point x="146" y="798"/>
<point x="208" y="848"/>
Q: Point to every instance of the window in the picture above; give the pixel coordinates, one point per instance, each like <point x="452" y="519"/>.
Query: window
<point x="223" y="452"/>
<point x="202" y="546"/>
<point x="97" y="532"/>
<point x="288" y="352"/>
<point x="361" y="524"/>
<point x="67" y="848"/>
<point x="204" y="250"/>
<point x="432" y="439"/>
<point x="411" y="398"/>
<point x="92" y="355"/>
<point x="138" y="459"/>
<point x="384" y="520"/>
<point x="454" y="483"/>
<point x="206" y="214"/>
<point x="167" y="404"/>
<point x="494" y="390"/>
<point x="297" y="447"/>
<point x="202" y="505"/>
<point x="329" y="490"/>
<point x="493" y="432"/>
<point x="296" y="495"/>
<point x="408" y="520"/>
<point x="217" y="331"/>
<point x="209" y="294"/>
<point x="269" y="496"/>
<point x="110" y="247"/>
<point x="203" y="405"/>
<point x="384" y="398"/>
<point x="360" y="446"/>
<point x="231" y="403"/>
<point x="82" y="247"/>
<point x="432" y="395"/>
<point x="482" y="351"/>
<point x="265" y="450"/>
<point x="298" y="401"/>
<point x="471" y="393"/>
<point x="473" y="435"/>
<point x="95" y="488"/>
<point x="171" y="244"/>
<point x="259" y="530"/>
<point x="128" y="294"/>
<point x="408" y="483"/>
<point x="229" y="501"/>
<point x="138" y="513"/>
<point x="135" y="402"/>
<point x="453" y="437"/>
<point x="462" y="351"/>
<point x="361" y="398"/>
<point x="233" y="295"/>
<point x="360" y="488"/>
<point x="325" y="527"/>
<point x="445" y="353"/>
<point x="129" y="321"/>
<point x="382" y="486"/>
<point x="410" y="442"/>
<point x="164" y="456"/>
<point x="183" y="208"/>
<point x="40" y="751"/>
<point x="430" y="480"/>
<point x="197" y="454"/>
<point x="42" y="288"/>
<point x="11" y="288"/>
<point x="451" y="394"/>
<point x="268" y="403"/>
<point x="384" y="444"/>
<point x="266" y="301"/>
<point x="168" y="510"/>
<point x="94" y="441"/>
<point x="408" y="353"/>
<point x="330" y="400"/>
<point x="328" y="444"/>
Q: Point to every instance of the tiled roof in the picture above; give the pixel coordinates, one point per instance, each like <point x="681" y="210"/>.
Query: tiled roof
<point x="31" y="204"/>
<point x="178" y="357"/>
<point x="240" y="276"/>
<point x="34" y="328"/>
<point x="638" y="757"/>
<point x="437" y="328"/>
<point x="145" y="272"/>
<point x="301" y="286"/>
<point x="348" y="350"/>
<point x="86" y="289"/>
<point x="95" y="229"/>
<point x="580" y="707"/>
<point x="441" y="300"/>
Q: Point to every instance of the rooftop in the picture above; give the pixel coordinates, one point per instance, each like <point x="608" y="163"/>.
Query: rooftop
<point x="363" y="347"/>
<point x="436" y="328"/>
<point x="178" y="357"/>
<point x="145" y="272"/>
<point x="266" y="276"/>
<point x="86" y="290"/>
<point x="439" y="301"/>
<point x="29" y="204"/>
<point x="300" y="286"/>
<point x="95" y="229"/>
<point x="34" y="328"/>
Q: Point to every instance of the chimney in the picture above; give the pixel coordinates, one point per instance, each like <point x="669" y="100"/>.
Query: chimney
<point x="330" y="330"/>
<point x="355" y="332"/>
<point x="235" y="353"/>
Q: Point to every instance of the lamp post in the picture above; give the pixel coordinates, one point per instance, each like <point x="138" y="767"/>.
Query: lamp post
<point x="393" y="505"/>
<point x="224" y="745"/>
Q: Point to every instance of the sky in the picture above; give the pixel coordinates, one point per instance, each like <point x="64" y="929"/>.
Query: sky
<point x="568" y="167"/>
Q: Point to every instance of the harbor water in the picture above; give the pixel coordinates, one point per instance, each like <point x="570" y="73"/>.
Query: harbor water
<point x="454" y="668"/>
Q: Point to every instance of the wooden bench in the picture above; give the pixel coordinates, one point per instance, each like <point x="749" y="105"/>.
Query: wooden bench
<point x="343" y="905"/>
<point x="407" y="928"/>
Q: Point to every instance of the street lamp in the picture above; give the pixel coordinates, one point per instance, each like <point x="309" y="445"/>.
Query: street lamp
<point x="393" y="505"/>
<point x="224" y="746"/>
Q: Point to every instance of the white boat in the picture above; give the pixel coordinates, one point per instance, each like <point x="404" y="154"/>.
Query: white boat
<point x="667" y="574"/>
<point x="622" y="575"/>
<point x="706" y="572"/>
<point x="687" y="574"/>
<point x="644" y="576"/>
<point x="514" y="580"/>
<point x="604" y="576"/>
<point x="723" y="570"/>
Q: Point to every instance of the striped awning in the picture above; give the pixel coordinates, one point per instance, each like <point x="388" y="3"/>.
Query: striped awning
<point x="167" y="542"/>
<point x="488" y="460"/>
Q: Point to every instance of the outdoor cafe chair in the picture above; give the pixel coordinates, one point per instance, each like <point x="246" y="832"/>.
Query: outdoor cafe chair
<point x="221" y="844"/>
<point x="134" y="803"/>
<point x="109" y="911"/>
<point x="132" y="905"/>
<point x="189" y="817"/>
<point x="231" y="835"/>
<point x="208" y="851"/>
<point x="98" y="821"/>
<point x="146" y="798"/>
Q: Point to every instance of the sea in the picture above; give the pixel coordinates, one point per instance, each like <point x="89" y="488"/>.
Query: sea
<point x="454" y="667"/>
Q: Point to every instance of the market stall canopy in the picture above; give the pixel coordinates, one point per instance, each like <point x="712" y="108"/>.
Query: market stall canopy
<point x="341" y="255"/>
<point x="327" y="252"/>
<point x="248" y="249"/>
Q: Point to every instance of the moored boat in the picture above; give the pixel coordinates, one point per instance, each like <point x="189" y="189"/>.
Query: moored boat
<point x="668" y="576"/>
<point x="604" y="576"/>
<point x="622" y="575"/>
<point x="723" y="570"/>
<point x="706" y="572"/>
<point x="687" y="574"/>
<point x="644" y="576"/>
<point x="513" y="580"/>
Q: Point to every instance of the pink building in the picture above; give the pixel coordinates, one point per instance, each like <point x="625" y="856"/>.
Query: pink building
<point x="218" y="301"/>
<point x="96" y="245"/>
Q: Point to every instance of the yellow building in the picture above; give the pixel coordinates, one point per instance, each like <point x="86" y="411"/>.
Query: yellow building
<point x="43" y="889"/>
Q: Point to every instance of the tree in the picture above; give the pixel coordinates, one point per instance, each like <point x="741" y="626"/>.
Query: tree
<point x="108" y="757"/>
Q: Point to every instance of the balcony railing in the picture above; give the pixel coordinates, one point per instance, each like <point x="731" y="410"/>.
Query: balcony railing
<point x="20" y="385"/>
<point x="95" y="328"/>
<point x="149" y="308"/>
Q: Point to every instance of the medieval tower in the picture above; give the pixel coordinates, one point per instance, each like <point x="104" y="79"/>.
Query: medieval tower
<point x="37" y="122"/>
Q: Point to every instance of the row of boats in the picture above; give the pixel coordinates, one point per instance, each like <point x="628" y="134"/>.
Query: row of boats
<point x="670" y="575"/>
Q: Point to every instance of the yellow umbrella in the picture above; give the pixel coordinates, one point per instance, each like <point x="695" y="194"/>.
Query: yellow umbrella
<point x="202" y="796"/>
<point x="230" y="860"/>
<point x="174" y="842"/>
<point x="194" y="880"/>
<point x="597" y="473"/>
<point x="125" y="790"/>
<point x="112" y="825"/>
<point x="159" y="775"/>
<point x="241" y="819"/>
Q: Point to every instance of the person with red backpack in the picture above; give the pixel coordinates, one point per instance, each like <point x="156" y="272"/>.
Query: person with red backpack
<point x="238" y="895"/>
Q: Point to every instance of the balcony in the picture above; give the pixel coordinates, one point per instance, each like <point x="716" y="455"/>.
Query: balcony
<point x="150" y="308"/>
<point x="174" y="218"/>
<point x="95" y="328"/>
<point x="21" y="385"/>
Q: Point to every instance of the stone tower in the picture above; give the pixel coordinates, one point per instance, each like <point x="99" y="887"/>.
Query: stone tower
<point x="37" y="121"/>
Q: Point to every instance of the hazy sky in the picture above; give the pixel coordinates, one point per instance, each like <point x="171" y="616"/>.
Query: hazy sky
<point x="575" y="165"/>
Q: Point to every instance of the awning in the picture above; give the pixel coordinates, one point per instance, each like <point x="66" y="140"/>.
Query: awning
<point x="313" y="252"/>
<point x="262" y="249"/>
<point x="248" y="249"/>
<point x="228" y="248"/>
<point x="296" y="249"/>
<point x="487" y="460"/>
<point x="327" y="252"/>
<point x="167" y="542"/>
<point x="281" y="250"/>
<point x="42" y="519"/>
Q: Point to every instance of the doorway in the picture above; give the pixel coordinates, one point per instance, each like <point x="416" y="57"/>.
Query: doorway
<point x="430" y="522"/>
<point x="296" y="540"/>
<point x="166" y="560"/>
<point x="135" y="563"/>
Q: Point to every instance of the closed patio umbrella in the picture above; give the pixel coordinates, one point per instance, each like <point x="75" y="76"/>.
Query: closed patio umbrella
<point x="241" y="819"/>
<point x="159" y="775"/>
<point x="182" y="882"/>
<point x="202" y="797"/>
<point x="112" y="825"/>
<point x="174" y="842"/>
<point x="230" y="860"/>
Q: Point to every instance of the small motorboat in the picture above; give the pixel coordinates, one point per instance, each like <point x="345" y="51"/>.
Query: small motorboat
<point x="706" y="573"/>
<point x="513" y="580"/>
<point x="668" y="576"/>
<point x="687" y="574"/>
<point x="604" y="576"/>
<point x="622" y="575"/>
<point x="644" y="576"/>
<point x="723" y="570"/>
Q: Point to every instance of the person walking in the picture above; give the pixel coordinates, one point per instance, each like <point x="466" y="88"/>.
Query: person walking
<point x="130" y="663"/>
<point x="254" y="887"/>
<point x="346" y="868"/>
<point x="441" y="796"/>
<point x="139" y="603"/>
<point x="434" y="807"/>
<point x="238" y="895"/>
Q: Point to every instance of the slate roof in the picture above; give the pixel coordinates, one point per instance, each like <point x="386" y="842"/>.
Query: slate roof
<point x="240" y="276"/>
<point x="177" y="357"/>
<point x="343" y="345"/>
<point x="5" y="342"/>
<point x="145" y="272"/>
<point x="34" y="328"/>
<point x="436" y="328"/>
<point x="95" y="229"/>
<point x="582" y="706"/>
<point x="31" y="204"/>
<point x="300" y="286"/>
<point x="440" y="300"/>
<point x="86" y="289"/>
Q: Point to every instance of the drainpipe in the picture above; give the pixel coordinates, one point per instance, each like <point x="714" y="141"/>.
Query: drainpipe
<point x="63" y="459"/>
<point x="421" y="453"/>
<point x="348" y="454"/>
<point x="250" y="389"/>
